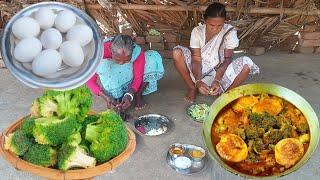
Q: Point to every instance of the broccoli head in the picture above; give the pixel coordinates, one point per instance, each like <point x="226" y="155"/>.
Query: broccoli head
<point x="42" y="155"/>
<point x="53" y="131"/>
<point x="74" y="102"/>
<point x="255" y="119"/>
<point x="84" y="99"/>
<point x="27" y="126"/>
<point x="34" y="110"/>
<point x="18" y="142"/>
<point x="241" y="133"/>
<point x="47" y="106"/>
<point x="273" y="136"/>
<point x="258" y="145"/>
<point x="253" y="157"/>
<point x="87" y="120"/>
<point x="74" y="139"/>
<point x="74" y="157"/>
<point x="287" y="130"/>
<point x="253" y="132"/>
<point x="264" y="120"/>
<point x="63" y="103"/>
<point x="108" y="136"/>
<point x="302" y="127"/>
<point x="268" y="122"/>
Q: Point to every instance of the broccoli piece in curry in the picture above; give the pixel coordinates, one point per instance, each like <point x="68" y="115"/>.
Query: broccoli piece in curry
<point x="265" y="121"/>
<point x="253" y="132"/>
<point x="302" y="128"/>
<point x="273" y="136"/>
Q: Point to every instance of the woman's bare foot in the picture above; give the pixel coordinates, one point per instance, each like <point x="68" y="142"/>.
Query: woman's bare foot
<point x="140" y="103"/>
<point x="191" y="95"/>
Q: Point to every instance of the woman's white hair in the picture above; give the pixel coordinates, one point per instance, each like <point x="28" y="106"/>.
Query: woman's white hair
<point x="122" y="45"/>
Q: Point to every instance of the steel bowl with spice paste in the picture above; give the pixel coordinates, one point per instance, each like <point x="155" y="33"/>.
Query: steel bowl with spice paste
<point x="255" y="89"/>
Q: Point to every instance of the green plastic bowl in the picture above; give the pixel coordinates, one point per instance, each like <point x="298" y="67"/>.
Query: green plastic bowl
<point x="272" y="89"/>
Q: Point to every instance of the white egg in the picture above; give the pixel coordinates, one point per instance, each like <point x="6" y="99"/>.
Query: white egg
<point x="47" y="62"/>
<point x="81" y="34"/>
<point x="71" y="53"/>
<point x="27" y="49"/>
<point x="65" y="20"/>
<point x="45" y="17"/>
<point x="51" y="38"/>
<point x="25" y="27"/>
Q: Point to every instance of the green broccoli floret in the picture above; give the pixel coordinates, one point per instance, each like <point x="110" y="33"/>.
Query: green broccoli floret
<point x="253" y="157"/>
<point x="74" y="102"/>
<point x="286" y="129"/>
<point x="88" y="120"/>
<point x="34" y="110"/>
<point x="268" y="122"/>
<point x="253" y="132"/>
<point x="74" y="139"/>
<point x="84" y="99"/>
<point x="258" y="145"/>
<point x="273" y="136"/>
<point x="27" y="126"/>
<point x="241" y="133"/>
<point x="255" y="119"/>
<point x="63" y="103"/>
<point x="265" y="121"/>
<point x="108" y="136"/>
<point x="18" y="142"/>
<point x="85" y="144"/>
<point x="74" y="157"/>
<point x="42" y="155"/>
<point x="47" y="106"/>
<point x="303" y="128"/>
<point x="53" y="131"/>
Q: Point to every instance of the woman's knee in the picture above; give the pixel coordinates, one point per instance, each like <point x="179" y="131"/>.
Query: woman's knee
<point x="246" y="69"/>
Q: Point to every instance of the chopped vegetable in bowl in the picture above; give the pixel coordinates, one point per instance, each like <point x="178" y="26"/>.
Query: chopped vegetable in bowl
<point x="198" y="112"/>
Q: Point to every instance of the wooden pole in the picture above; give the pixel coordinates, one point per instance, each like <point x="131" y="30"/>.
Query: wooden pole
<point x="254" y="10"/>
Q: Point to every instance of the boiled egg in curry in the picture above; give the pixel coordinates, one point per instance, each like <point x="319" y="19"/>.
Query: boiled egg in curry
<point x="272" y="105"/>
<point x="232" y="148"/>
<point x="288" y="151"/>
<point x="244" y="103"/>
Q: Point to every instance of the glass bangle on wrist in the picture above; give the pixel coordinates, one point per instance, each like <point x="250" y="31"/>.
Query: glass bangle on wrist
<point x="130" y="95"/>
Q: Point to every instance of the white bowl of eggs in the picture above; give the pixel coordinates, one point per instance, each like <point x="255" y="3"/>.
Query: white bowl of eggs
<point x="52" y="45"/>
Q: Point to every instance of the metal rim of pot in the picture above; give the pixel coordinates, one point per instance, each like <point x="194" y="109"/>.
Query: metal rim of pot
<point x="259" y="88"/>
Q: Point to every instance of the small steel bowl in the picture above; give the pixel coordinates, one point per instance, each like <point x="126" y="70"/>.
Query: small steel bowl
<point x="194" y="149"/>
<point x="182" y="162"/>
<point x="68" y="78"/>
<point x="152" y="124"/>
<point x="176" y="147"/>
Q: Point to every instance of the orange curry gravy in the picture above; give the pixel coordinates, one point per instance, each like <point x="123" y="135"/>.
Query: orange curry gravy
<point x="264" y="162"/>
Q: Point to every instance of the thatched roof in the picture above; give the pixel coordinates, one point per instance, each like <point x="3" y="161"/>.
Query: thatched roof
<point x="266" y="22"/>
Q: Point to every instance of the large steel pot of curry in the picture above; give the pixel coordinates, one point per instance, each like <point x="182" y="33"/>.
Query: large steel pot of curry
<point x="254" y="89"/>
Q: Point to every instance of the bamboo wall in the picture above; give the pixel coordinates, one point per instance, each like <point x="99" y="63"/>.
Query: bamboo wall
<point x="259" y="22"/>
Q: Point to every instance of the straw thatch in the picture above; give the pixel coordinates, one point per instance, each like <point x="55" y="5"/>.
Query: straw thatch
<point x="259" y="22"/>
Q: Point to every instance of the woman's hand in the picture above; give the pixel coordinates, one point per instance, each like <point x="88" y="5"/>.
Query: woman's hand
<point x="111" y="103"/>
<point x="203" y="88"/>
<point x="125" y="103"/>
<point x="215" y="88"/>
